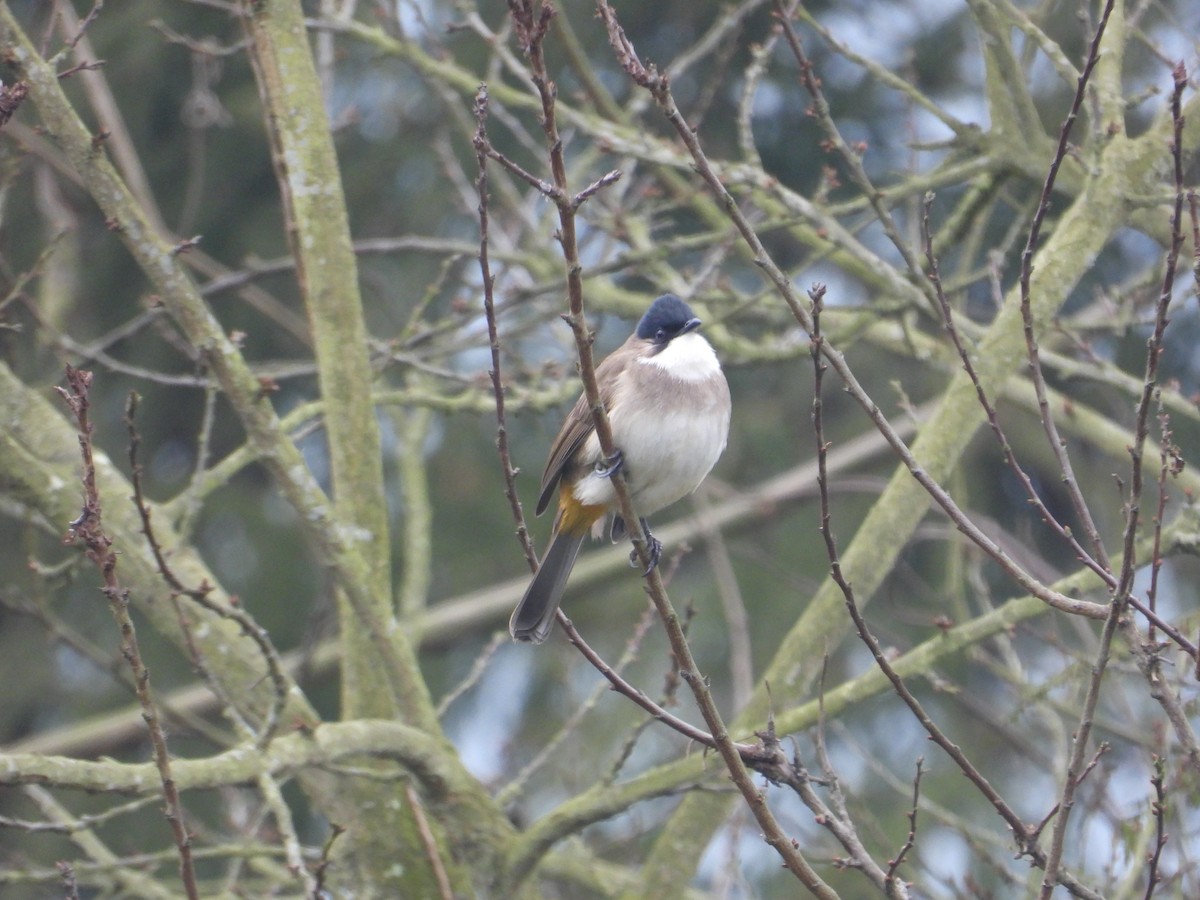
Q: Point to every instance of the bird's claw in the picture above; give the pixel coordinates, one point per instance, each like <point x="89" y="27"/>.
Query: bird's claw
<point x="653" y="550"/>
<point x="607" y="468"/>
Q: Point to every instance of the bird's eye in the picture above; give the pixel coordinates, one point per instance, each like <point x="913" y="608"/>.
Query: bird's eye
<point x="660" y="335"/>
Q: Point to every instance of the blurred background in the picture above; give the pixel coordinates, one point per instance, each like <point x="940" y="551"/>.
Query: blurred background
<point x="744" y="555"/>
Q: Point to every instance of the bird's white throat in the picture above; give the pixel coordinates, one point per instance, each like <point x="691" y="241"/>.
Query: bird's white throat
<point x="688" y="357"/>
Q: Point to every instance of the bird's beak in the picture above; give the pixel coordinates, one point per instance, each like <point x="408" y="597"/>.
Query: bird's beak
<point x="690" y="325"/>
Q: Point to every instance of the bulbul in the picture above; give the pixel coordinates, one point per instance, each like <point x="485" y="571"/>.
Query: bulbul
<point x="668" y="405"/>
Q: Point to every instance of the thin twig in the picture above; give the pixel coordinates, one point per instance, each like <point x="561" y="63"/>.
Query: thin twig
<point x="78" y="823"/>
<point x="191" y="497"/>
<point x="70" y="885"/>
<point x="1170" y="464"/>
<point x="1128" y="563"/>
<point x="429" y="843"/>
<point x="201" y="595"/>
<point x="989" y="408"/>
<point x="1055" y="441"/>
<point x="477" y="669"/>
<point x="1021" y="833"/>
<point x="851" y="156"/>
<point x="833" y="816"/>
<point x="895" y="863"/>
<point x="84" y="25"/>
<point x="1194" y="210"/>
<point x="489" y="309"/>
<point x="1158" y="808"/>
<point x="322" y="866"/>
<point x="88" y="531"/>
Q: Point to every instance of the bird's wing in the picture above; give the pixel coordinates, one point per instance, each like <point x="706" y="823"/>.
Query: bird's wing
<point x="579" y="424"/>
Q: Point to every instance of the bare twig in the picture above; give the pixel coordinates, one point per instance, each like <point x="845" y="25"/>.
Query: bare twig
<point x="322" y="866"/>
<point x="429" y="843"/>
<point x="1128" y="563"/>
<point x="477" y="669"/>
<point x="1025" y="840"/>
<point x="70" y="885"/>
<point x="851" y="156"/>
<point x="1170" y="465"/>
<point x="833" y="816"/>
<point x="88" y="531"/>
<point x="1194" y="210"/>
<point x="77" y="823"/>
<point x="895" y="863"/>
<point x="489" y="309"/>
<point x="989" y="408"/>
<point x="83" y="66"/>
<point x="84" y="25"/>
<point x="201" y="594"/>
<point x="1053" y="438"/>
<point x="1158" y="807"/>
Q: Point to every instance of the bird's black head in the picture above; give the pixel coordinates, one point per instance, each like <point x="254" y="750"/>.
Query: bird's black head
<point x="667" y="318"/>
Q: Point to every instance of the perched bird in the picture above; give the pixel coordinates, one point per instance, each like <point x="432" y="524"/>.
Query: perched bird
<point x="668" y="405"/>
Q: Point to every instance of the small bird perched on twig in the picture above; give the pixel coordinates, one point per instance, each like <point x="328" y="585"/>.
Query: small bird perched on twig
<point x="668" y="405"/>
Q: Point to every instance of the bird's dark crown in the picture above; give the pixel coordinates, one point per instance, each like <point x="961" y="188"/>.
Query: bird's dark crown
<point x="667" y="318"/>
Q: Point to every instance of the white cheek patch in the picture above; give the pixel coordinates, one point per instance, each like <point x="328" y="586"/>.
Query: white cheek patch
<point x="688" y="358"/>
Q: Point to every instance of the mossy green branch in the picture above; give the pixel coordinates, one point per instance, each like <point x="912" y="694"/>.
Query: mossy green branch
<point x="39" y="469"/>
<point x="339" y="548"/>
<point x="421" y="756"/>
<point x="450" y="794"/>
<point x="412" y="427"/>
<point x="1014" y="117"/>
<point x="160" y="262"/>
<point x="319" y="233"/>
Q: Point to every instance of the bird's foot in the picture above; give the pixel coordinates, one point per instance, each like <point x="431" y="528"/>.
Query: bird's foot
<point x="653" y="549"/>
<point x="607" y="468"/>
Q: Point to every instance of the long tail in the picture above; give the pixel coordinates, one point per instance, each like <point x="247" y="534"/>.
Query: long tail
<point x="534" y="616"/>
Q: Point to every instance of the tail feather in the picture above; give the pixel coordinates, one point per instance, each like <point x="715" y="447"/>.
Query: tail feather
<point x="534" y="615"/>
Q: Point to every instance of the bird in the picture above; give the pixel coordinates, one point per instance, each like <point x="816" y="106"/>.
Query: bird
<point x="668" y="406"/>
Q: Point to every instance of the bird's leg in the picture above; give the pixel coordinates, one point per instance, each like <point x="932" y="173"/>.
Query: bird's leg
<point x="653" y="548"/>
<point x="607" y="468"/>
